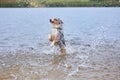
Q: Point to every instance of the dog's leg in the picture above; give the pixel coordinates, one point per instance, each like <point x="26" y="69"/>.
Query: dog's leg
<point x="52" y="44"/>
<point x="62" y="49"/>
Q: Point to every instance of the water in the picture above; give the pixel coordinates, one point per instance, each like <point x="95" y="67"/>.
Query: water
<point x="92" y="36"/>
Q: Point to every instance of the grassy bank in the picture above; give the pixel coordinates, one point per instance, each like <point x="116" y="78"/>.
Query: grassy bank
<point x="61" y="3"/>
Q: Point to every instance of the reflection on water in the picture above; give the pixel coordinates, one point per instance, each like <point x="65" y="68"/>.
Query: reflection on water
<point x="93" y="46"/>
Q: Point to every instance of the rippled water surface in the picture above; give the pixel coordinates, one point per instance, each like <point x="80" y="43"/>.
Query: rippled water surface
<point x="92" y="36"/>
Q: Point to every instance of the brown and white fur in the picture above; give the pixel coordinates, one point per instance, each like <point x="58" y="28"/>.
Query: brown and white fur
<point x="56" y="36"/>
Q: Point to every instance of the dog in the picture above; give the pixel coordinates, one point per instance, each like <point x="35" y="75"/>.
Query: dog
<point x="56" y="36"/>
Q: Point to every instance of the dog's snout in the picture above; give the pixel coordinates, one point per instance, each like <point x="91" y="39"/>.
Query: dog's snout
<point x="50" y="20"/>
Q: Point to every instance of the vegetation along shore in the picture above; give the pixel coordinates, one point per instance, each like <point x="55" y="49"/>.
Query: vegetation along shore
<point x="59" y="3"/>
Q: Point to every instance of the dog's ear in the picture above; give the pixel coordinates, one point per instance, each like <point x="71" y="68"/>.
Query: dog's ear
<point x="61" y="22"/>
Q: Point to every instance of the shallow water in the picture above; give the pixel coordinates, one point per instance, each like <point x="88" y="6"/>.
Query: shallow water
<point x="92" y="37"/>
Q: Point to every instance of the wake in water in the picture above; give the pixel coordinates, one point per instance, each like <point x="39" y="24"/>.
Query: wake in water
<point x="83" y="61"/>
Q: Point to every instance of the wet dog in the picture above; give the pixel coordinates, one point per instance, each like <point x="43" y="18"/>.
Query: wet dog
<point x="56" y="36"/>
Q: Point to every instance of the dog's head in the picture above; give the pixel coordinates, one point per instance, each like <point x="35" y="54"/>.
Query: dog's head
<point x="57" y="22"/>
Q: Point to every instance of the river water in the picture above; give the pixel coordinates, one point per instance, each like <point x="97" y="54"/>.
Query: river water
<point x="92" y="37"/>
